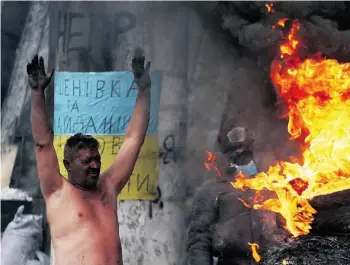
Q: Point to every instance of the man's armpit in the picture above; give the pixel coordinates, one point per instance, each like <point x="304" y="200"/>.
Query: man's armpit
<point x="39" y="145"/>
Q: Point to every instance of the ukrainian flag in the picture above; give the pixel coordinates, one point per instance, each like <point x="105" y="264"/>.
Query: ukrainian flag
<point x="101" y="104"/>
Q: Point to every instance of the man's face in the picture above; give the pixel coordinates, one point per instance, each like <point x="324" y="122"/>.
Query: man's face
<point x="84" y="169"/>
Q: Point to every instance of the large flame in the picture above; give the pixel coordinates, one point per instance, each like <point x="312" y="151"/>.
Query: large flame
<point x="317" y="94"/>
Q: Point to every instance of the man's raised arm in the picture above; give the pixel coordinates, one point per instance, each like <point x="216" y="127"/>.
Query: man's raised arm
<point x="47" y="163"/>
<point x="126" y="158"/>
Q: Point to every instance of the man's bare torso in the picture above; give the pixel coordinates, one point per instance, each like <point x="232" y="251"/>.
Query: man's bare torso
<point x="84" y="226"/>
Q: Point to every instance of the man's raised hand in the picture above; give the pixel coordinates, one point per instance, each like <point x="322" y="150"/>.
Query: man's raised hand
<point x="141" y="73"/>
<point x="37" y="78"/>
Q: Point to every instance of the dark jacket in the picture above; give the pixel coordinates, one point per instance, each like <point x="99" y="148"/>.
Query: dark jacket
<point x="221" y="226"/>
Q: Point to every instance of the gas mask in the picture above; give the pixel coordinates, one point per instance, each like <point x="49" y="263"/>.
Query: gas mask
<point x="247" y="170"/>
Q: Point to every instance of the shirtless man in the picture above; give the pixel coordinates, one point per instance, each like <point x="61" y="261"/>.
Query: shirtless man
<point x="81" y="210"/>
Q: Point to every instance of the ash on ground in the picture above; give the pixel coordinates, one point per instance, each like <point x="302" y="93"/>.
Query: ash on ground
<point x="311" y="250"/>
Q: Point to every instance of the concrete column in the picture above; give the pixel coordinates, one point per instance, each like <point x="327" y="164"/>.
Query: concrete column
<point x="13" y="18"/>
<point x="18" y="92"/>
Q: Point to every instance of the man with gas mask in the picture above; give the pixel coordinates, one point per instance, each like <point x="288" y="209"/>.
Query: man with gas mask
<point x="221" y="225"/>
<point x="223" y="228"/>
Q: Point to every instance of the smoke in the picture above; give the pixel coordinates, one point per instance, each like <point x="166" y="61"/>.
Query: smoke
<point x="325" y="28"/>
<point x="252" y="25"/>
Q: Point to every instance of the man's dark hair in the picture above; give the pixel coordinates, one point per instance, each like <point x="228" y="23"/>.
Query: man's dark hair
<point x="79" y="141"/>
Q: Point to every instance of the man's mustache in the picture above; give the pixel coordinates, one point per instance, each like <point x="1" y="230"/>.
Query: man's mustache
<point x="94" y="170"/>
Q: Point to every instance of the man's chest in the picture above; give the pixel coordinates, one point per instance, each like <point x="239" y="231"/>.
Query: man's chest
<point x="93" y="209"/>
<point x="75" y="210"/>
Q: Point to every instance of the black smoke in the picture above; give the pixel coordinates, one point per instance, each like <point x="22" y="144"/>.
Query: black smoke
<point x="326" y="26"/>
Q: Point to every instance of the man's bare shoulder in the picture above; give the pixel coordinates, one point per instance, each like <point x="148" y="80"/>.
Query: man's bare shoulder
<point x="104" y="195"/>
<point x="66" y="192"/>
<point x="105" y="182"/>
<point x="57" y="199"/>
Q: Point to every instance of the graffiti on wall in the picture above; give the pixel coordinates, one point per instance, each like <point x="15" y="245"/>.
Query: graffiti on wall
<point x="168" y="151"/>
<point x="101" y="104"/>
<point x="78" y="31"/>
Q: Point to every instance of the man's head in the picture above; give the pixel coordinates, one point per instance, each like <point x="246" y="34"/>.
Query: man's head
<point x="235" y="145"/>
<point x="82" y="160"/>
<point x="235" y="139"/>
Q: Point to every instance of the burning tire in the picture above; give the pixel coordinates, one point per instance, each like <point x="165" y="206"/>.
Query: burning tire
<point x="311" y="250"/>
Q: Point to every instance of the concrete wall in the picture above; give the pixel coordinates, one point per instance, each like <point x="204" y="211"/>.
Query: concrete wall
<point x="13" y="18"/>
<point x="14" y="114"/>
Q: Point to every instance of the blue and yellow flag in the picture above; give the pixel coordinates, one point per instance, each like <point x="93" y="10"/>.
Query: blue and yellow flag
<point x="101" y="104"/>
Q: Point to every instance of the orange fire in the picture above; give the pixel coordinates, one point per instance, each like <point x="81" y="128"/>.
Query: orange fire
<point x="269" y="8"/>
<point x="255" y="248"/>
<point x="317" y="94"/>
<point x="281" y="23"/>
<point x="209" y="163"/>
